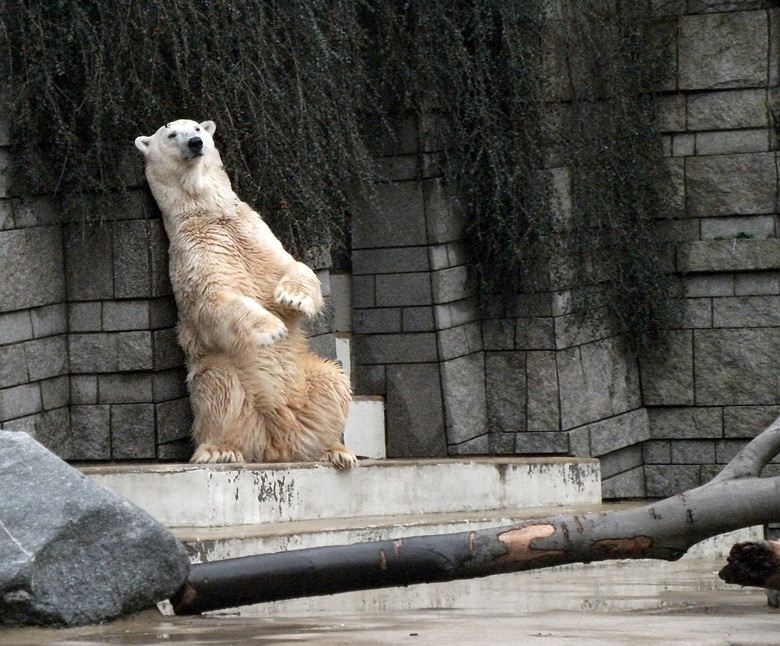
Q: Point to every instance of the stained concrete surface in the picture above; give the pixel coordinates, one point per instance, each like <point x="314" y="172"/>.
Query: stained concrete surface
<point x="618" y="603"/>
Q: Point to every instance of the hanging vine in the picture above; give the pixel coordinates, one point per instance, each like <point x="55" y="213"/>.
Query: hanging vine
<point x="522" y="88"/>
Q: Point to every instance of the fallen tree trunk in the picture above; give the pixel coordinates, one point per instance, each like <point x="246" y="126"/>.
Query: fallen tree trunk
<point x="664" y="529"/>
<point x="755" y="563"/>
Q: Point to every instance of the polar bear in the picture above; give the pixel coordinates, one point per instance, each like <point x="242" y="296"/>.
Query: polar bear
<point x="257" y="393"/>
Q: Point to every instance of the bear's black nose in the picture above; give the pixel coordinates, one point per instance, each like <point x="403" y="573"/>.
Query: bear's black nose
<point x="195" y="144"/>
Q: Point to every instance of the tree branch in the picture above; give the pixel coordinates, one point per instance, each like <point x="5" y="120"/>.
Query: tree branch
<point x="754" y="456"/>
<point x="663" y="529"/>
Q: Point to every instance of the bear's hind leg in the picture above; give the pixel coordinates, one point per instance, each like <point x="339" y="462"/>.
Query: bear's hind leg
<point x="219" y="414"/>
<point x="324" y="411"/>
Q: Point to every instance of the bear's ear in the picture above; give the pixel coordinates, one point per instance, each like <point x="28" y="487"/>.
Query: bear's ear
<point x="209" y="126"/>
<point x="142" y="143"/>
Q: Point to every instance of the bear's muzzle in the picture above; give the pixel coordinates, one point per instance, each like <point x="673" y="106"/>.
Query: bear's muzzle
<point x="194" y="147"/>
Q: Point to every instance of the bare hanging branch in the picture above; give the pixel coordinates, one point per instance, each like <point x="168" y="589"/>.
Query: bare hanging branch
<point x="663" y="529"/>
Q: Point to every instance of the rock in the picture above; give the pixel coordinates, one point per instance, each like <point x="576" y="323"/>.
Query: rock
<point x="71" y="552"/>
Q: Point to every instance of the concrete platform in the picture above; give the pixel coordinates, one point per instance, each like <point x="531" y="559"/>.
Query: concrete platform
<point x="226" y="495"/>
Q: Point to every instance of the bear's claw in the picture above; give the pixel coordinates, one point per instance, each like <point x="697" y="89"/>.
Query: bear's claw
<point x="211" y="453"/>
<point x="269" y="337"/>
<point x="340" y="456"/>
<point x="299" y="302"/>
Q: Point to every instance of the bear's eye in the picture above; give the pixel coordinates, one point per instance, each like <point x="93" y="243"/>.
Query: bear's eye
<point x="172" y="135"/>
<point x="197" y="129"/>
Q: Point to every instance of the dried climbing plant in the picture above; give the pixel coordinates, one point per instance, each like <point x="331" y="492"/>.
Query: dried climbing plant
<point x="514" y="90"/>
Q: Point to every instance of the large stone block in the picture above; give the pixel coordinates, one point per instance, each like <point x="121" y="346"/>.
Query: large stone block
<point x="403" y="289"/>
<point x="727" y="109"/>
<point x="741" y="226"/>
<point x="47" y="357"/>
<point x="737" y="366"/>
<point x="89" y="263"/>
<point x="667" y="370"/>
<point x="417" y="319"/>
<point x="445" y="222"/>
<point x="723" y="50"/>
<point x="49" y="320"/>
<point x="132" y="431"/>
<point x="52" y="429"/>
<point x="685" y="423"/>
<point x="20" y="401"/>
<point x="738" y="184"/>
<point x="459" y="341"/>
<point x="167" y="351"/>
<point x="90" y="432"/>
<point x="725" y="142"/>
<point x="746" y="311"/>
<point x="389" y="261"/>
<point x="85" y="317"/>
<point x="395" y="348"/>
<point x="452" y="284"/>
<point x="728" y="255"/>
<point x="465" y="405"/>
<point x="532" y="442"/>
<point x="110" y="352"/>
<point x="132" y="269"/>
<point x="664" y="480"/>
<point x="620" y="461"/>
<point x="75" y="553"/>
<point x="693" y="452"/>
<point x="55" y="392"/>
<point x="174" y="420"/>
<point x="13" y="365"/>
<point x="15" y="327"/>
<point x="629" y="484"/>
<point x="755" y="283"/>
<point x="32" y="271"/>
<point x="125" y="315"/>
<point x="597" y="381"/>
<point x="125" y="388"/>
<point x="618" y="432"/>
<point x="748" y="421"/>
<point x="415" y="418"/>
<point x="158" y="257"/>
<point x="397" y="219"/>
<point x="505" y="391"/>
<point x="377" y="320"/>
<point x="543" y="394"/>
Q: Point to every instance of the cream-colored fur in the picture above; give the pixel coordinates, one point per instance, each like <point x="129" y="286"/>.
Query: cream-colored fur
<point x="257" y="393"/>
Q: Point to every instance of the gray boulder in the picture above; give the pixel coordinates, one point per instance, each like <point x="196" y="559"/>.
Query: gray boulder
<point x="71" y="552"/>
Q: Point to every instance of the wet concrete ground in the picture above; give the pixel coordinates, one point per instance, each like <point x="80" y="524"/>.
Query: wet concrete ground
<point x="599" y="605"/>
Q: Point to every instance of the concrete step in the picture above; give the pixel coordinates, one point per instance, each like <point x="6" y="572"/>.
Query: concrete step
<point x="229" y="495"/>
<point x="208" y="544"/>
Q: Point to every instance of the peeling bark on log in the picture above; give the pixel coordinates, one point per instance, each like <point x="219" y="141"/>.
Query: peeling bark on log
<point x="664" y="530"/>
<point x="755" y="564"/>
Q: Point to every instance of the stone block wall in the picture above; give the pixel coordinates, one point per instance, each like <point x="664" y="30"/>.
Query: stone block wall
<point x="715" y="381"/>
<point x="128" y="391"/>
<point x="528" y="378"/>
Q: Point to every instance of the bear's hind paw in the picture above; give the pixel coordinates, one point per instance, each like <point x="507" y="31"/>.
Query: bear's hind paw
<point x="340" y="456"/>
<point x="211" y="453"/>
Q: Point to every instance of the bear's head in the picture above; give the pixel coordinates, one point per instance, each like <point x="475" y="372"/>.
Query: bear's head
<point x="181" y="141"/>
<point x="183" y="167"/>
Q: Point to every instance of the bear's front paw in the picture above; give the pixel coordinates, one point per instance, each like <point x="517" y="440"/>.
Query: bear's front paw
<point x="295" y="300"/>
<point x="269" y="334"/>
<point x="211" y="453"/>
